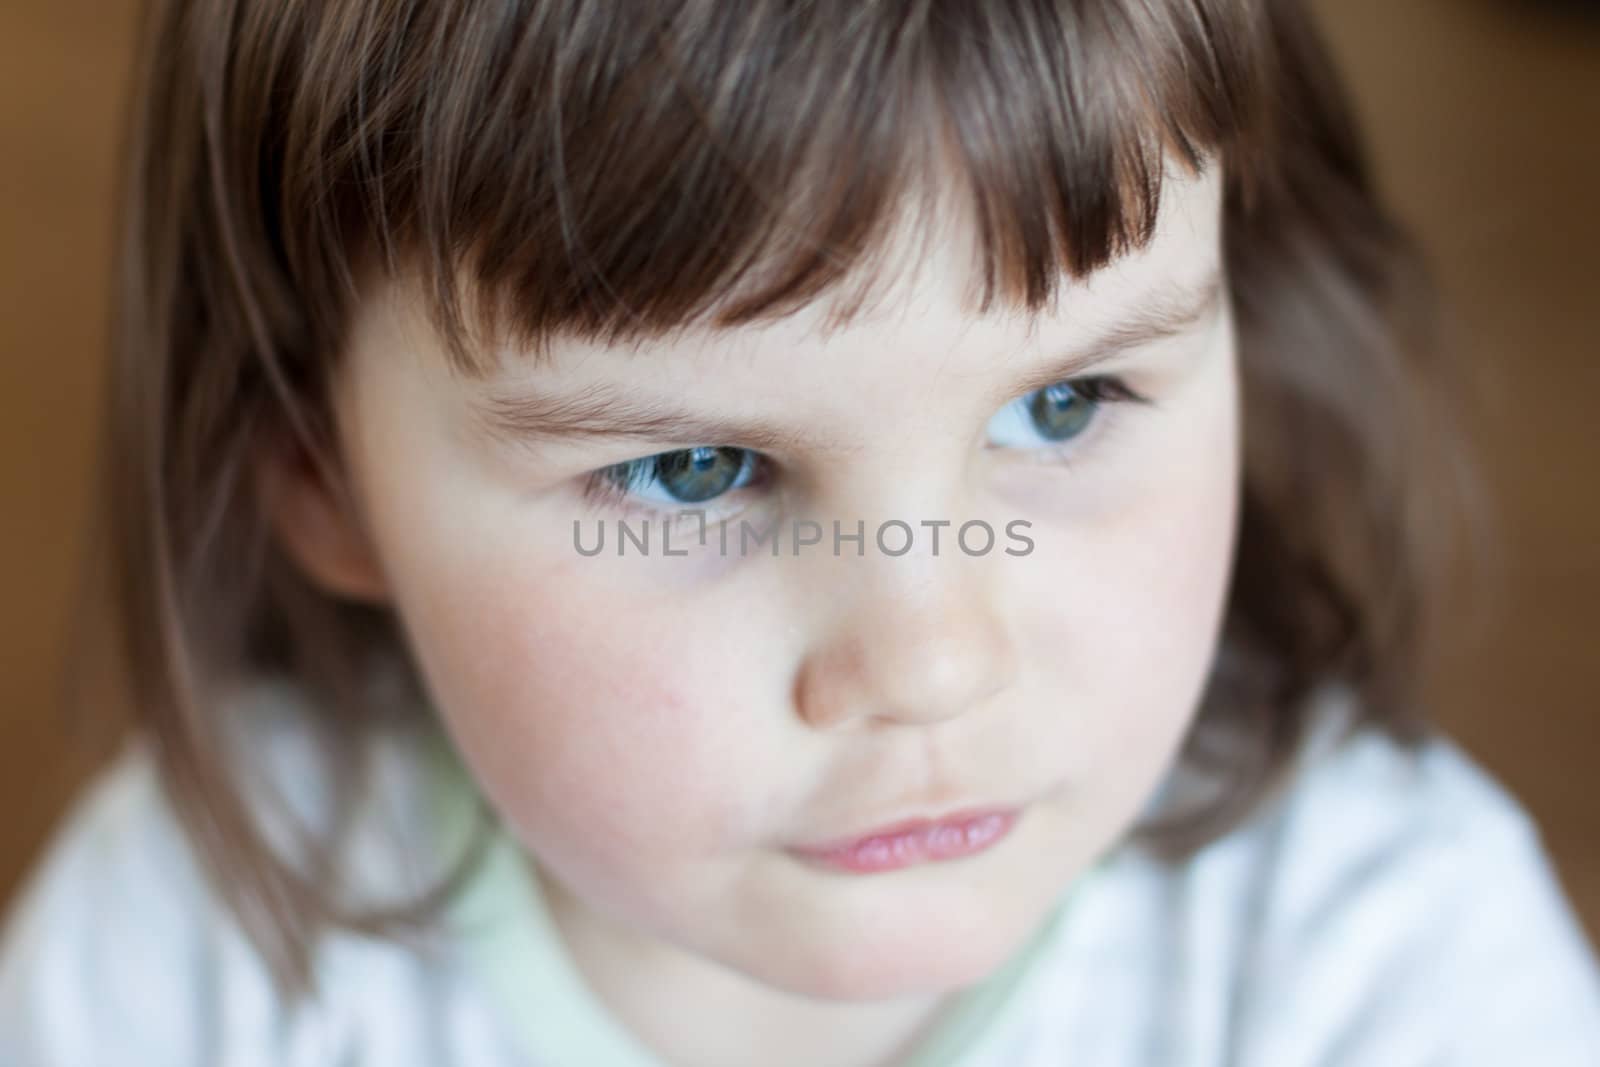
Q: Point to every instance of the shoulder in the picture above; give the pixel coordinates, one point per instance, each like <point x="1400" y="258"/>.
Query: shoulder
<point x="1394" y="905"/>
<point x="116" y="915"/>
<point x="1408" y="910"/>
<point x="118" y="948"/>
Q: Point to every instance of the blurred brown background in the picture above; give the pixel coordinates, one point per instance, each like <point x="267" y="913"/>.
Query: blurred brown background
<point x="1483" y="117"/>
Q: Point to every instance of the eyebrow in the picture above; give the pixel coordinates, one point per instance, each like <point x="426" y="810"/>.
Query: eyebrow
<point x="605" y="412"/>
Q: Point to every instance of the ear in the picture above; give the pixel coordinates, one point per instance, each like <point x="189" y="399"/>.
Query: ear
<point x="317" y="526"/>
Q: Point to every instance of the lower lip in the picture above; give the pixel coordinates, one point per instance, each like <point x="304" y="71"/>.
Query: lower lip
<point x="926" y="843"/>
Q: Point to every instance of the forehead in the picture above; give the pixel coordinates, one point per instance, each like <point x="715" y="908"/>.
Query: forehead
<point x="923" y="292"/>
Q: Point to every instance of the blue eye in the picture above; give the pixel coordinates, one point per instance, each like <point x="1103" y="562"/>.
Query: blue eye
<point x="683" y="476"/>
<point x="1059" y="412"/>
<point x="678" y="480"/>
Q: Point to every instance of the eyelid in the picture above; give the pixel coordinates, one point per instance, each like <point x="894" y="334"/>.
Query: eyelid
<point x="1107" y="391"/>
<point x="1102" y="389"/>
<point x="601" y="492"/>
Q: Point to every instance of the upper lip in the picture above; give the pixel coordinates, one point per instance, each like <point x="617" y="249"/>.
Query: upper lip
<point x="906" y="825"/>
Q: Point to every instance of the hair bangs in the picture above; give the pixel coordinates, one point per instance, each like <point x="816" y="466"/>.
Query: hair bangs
<point x="629" y="173"/>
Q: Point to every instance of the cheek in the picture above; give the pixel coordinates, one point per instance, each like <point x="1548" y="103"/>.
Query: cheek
<point x="605" y="738"/>
<point x="1122" y="608"/>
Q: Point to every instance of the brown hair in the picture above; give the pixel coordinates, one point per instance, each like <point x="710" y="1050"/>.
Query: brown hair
<point x="616" y="169"/>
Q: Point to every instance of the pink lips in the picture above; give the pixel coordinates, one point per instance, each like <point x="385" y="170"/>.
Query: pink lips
<point x="917" y="841"/>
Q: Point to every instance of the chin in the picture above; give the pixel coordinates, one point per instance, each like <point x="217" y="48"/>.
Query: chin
<point x="866" y="969"/>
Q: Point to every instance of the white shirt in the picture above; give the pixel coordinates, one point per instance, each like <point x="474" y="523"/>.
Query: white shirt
<point x="1386" y="912"/>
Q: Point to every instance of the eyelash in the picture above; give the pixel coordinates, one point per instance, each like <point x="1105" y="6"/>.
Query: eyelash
<point x="602" y="491"/>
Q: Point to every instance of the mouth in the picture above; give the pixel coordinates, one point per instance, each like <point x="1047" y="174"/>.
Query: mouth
<point x="914" y="841"/>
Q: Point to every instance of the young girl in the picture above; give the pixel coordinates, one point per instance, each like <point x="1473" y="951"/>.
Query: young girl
<point x="1016" y="455"/>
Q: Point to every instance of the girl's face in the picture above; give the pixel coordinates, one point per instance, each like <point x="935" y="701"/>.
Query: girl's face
<point x="663" y="733"/>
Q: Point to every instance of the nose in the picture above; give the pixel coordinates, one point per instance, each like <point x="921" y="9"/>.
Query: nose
<point x="919" y="642"/>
